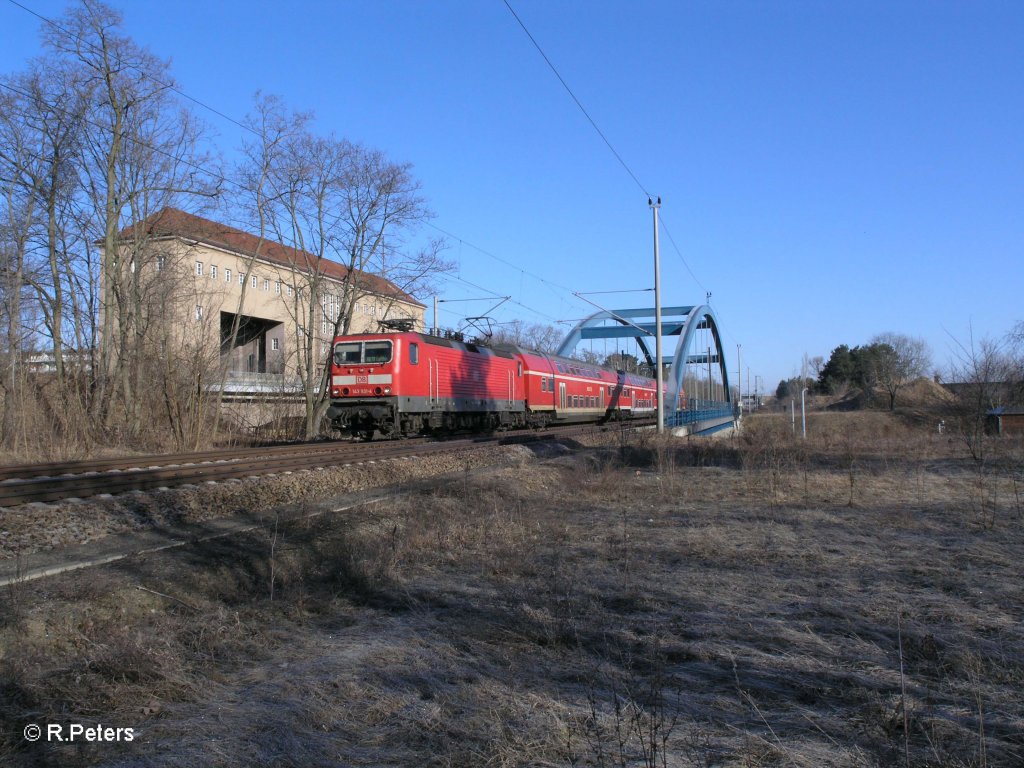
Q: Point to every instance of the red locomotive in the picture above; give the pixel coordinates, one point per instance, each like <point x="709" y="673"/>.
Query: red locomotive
<point x="407" y="383"/>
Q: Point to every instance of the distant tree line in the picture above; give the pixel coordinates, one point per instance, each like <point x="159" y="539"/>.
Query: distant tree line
<point x="983" y="374"/>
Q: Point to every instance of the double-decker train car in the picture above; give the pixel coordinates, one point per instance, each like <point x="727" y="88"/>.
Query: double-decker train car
<point x="408" y="383"/>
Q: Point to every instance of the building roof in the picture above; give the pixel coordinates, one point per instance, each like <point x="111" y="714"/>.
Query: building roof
<point x="1007" y="410"/>
<point x="171" y="222"/>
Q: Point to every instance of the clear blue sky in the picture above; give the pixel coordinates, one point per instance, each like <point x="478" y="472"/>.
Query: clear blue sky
<point x="828" y="170"/>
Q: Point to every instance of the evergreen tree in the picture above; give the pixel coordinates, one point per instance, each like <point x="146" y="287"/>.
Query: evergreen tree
<point x="840" y="369"/>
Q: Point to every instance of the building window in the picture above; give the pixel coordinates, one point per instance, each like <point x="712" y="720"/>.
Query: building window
<point x="227" y="275"/>
<point x="275" y="344"/>
<point x="199" y="268"/>
<point x="277" y="287"/>
<point x="241" y="278"/>
<point x="266" y="284"/>
<point x="213" y="271"/>
<point x="199" y="311"/>
<point x="254" y="281"/>
<point x="161" y="261"/>
<point x="290" y="290"/>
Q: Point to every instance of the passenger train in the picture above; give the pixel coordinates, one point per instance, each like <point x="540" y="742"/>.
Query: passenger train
<point x="405" y="383"/>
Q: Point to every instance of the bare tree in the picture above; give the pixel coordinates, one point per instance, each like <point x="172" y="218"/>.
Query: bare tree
<point x="293" y="183"/>
<point x="897" y="360"/>
<point x="140" y="152"/>
<point x="810" y="367"/>
<point x="18" y="179"/>
<point x="41" y="126"/>
<point x="185" y="366"/>
<point x="543" y="338"/>
<point x="345" y="212"/>
<point x="623" y="361"/>
<point x="985" y="374"/>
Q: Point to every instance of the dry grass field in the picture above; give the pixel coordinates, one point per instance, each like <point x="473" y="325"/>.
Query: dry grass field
<point x="852" y="600"/>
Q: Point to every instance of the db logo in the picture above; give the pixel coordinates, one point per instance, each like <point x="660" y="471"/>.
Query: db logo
<point x="362" y="380"/>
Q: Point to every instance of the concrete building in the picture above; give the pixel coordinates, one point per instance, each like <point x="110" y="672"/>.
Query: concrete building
<point x="259" y="303"/>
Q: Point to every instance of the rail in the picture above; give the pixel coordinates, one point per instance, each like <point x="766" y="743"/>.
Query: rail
<point x="26" y="484"/>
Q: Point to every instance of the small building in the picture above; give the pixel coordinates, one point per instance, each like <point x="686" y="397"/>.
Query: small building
<point x="1005" y="420"/>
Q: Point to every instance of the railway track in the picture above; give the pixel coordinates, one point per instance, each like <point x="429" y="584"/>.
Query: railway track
<point x="83" y="479"/>
<point x="57" y="469"/>
<point x="25" y="484"/>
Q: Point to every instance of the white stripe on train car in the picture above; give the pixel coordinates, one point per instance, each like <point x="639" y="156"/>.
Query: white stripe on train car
<point x="378" y="378"/>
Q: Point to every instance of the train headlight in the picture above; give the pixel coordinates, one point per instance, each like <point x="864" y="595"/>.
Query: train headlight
<point x="387" y="390"/>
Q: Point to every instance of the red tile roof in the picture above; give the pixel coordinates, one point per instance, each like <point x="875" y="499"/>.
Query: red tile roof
<point x="175" y="223"/>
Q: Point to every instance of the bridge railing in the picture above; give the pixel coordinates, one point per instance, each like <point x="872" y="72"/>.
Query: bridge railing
<point x="698" y="411"/>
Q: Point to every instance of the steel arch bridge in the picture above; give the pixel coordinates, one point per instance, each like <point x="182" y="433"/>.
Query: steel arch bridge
<point x="693" y="404"/>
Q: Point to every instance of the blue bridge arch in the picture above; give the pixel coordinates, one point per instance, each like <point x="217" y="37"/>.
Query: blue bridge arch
<point x="694" y="412"/>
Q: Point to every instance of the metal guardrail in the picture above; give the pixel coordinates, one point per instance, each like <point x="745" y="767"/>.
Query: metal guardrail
<point x="706" y="411"/>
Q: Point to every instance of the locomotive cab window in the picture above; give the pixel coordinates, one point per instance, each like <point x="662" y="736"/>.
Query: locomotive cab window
<point x="347" y="353"/>
<point x="377" y="352"/>
<point x="414" y="353"/>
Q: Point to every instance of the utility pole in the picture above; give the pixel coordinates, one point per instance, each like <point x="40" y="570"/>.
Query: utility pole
<point x="803" y="412"/>
<point x="711" y="390"/>
<point x="739" y="379"/>
<point x="657" y="318"/>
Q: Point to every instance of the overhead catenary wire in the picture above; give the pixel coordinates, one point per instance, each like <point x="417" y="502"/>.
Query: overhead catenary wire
<point x="576" y="100"/>
<point x="506" y="262"/>
<point x="497" y="295"/>
<point x="618" y="157"/>
<point x="226" y="181"/>
<point x="679" y="253"/>
<point x="601" y="133"/>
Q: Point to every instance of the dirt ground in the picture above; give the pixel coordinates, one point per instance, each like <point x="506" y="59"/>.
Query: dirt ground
<point x="851" y="600"/>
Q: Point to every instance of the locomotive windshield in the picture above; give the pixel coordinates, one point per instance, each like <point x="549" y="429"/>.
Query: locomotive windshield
<point x="377" y="352"/>
<point x="361" y="352"/>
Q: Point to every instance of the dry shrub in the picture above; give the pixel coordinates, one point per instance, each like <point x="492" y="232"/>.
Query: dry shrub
<point x="102" y="664"/>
